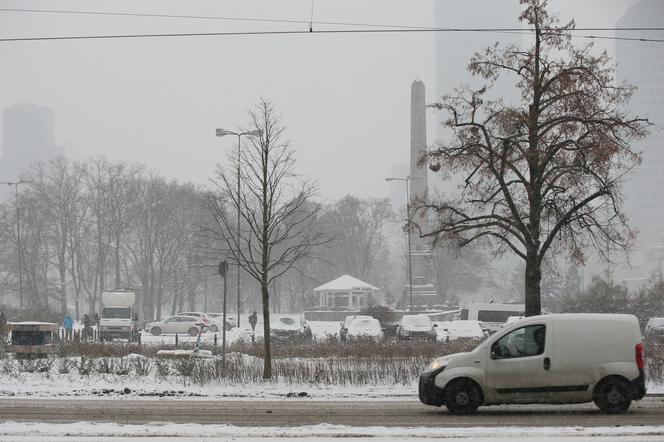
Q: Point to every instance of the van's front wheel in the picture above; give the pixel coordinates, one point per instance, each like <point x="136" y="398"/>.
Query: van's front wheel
<point x="612" y="395"/>
<point x="462" y="396"/>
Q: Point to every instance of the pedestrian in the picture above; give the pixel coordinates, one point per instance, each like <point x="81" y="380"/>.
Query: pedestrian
<point x="97" y="319"/>
<point x="253" y="319"/>
<point x="86" y="326"/>
<point x="68" y="324"/>
<point x="3" y="326"/>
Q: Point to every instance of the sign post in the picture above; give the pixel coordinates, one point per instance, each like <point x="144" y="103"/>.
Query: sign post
<point x="223" y="271"/>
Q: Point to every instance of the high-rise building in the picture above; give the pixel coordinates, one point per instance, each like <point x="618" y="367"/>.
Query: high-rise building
<point x="642" y="65"/>
<point x="28" y="136"/>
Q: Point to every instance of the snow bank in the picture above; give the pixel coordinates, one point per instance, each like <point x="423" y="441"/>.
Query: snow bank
<point x="88" y="429"/>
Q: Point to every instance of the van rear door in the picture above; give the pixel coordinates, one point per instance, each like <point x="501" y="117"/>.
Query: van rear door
<point x="518" y="364"/>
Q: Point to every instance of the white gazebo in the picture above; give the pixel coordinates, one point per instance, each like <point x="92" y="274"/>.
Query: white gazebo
<point x="345" y="292"/>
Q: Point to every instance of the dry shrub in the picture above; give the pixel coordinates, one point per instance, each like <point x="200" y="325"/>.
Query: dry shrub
<point x="142" y="366"/>
<point x="163" y="367"/>
<point x="65" y="365"/>
<point x="86" y="366"/>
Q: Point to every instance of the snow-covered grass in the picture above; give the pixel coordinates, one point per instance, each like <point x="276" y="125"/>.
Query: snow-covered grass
<point x="324" y="369"/>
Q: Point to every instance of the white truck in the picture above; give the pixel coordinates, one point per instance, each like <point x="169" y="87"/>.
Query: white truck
<point x="119" y="315"/>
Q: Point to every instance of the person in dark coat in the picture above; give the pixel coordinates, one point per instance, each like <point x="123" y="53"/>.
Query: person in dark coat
<point x="96" y="318"/>
<point x="253" y="319"/>
<point x="86" y="326"/>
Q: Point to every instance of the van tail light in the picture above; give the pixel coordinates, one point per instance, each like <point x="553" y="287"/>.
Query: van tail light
<point x="640" y="360"/>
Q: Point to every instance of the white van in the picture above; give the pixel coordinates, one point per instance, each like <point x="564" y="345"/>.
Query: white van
<point x="563" y="358"/>
<point x="492" y="315"/>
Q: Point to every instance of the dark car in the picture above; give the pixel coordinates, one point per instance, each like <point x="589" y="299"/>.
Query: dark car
<point x="290" y="328"/>
<point x="416" y="327"/>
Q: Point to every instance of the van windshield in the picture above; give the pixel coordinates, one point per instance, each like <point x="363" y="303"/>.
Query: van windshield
<point x="116" y="313"/>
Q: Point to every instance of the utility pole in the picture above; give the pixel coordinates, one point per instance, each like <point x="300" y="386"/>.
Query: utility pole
<point x="239" y="135"/>
<point x="408" y="222"/>
<point x="223" y="271"/>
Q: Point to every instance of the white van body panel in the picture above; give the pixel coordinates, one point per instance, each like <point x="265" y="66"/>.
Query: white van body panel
<point x="581" y="350"/>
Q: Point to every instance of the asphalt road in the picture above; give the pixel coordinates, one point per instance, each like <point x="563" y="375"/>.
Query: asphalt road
<point x="297" y="412"/>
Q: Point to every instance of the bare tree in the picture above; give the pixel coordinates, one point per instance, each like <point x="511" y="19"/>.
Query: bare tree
<point x="277" y="230"/>
<point x="545" y="173"/>
<point x="357" y="228"/>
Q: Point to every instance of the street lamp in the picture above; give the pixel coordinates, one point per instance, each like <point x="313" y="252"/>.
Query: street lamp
<point x="239" y="135"/>
<point x="18" y="236"/>
<point x="410" y="264"/>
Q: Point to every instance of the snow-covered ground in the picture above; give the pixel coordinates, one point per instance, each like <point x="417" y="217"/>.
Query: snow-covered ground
<point x="73" y="384"/>
<point x="23" y="431"/>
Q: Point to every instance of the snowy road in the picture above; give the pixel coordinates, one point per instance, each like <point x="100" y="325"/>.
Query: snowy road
<point x="299" y="412"/>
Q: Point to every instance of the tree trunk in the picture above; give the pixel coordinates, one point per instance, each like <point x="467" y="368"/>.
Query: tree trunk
<point x="532" y="283"/>
<point x="267" y="362"/>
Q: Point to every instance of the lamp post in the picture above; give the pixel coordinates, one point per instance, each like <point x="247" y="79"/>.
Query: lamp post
<point x="18" y="237"/>
<point x="410" y="264"/>
<point x="239" y="135"/>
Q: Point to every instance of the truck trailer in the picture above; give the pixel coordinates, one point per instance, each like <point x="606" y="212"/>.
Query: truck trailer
<point x="120" y="315"/>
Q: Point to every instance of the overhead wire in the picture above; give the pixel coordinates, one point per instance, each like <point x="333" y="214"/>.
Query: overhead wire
<point x="306" y="22"/>
<point x="382" y="28"/>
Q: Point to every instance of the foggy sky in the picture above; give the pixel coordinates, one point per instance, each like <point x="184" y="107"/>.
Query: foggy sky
<point x="344" y="98"/>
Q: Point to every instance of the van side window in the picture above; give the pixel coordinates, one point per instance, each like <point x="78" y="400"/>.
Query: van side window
<point x="520" y="343"/>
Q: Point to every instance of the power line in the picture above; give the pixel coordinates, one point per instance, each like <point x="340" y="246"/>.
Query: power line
<point x="383" y="28"/>
<point x="308" y="22"/>
<point x="337" y="31"/>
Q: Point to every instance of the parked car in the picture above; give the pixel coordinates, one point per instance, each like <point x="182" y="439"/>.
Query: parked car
<point x="562" y="358"/>
<point x="343" y="331"/>
<point x="416" y="327"/>
<point x="203" y="318"/>
<point x="179" y="324"/>
<point x="215" y="321"/>
<point x="655" y="328"/>
<point x="290" y="328"/>
<point x="464" y="329"/>
<point x="365" y="328"/>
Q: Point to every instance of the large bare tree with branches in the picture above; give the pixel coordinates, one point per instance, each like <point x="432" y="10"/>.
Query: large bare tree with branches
<point x="275" y="207"/>
<point x="543" y="174"/>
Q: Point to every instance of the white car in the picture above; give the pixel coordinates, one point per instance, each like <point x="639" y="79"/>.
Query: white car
<point x="215" y="321"/>
<point x="548" y="359"/>
<point x="175" y="325"/>
<point x="290" y="328"/>
<point x="343" y="331"/>
<point x="202" y="317"/>
<point x="364" y="328"/>
<point x="416" y="327"/>
<point x="655" y="328"/>
<point x="464" y="330"/>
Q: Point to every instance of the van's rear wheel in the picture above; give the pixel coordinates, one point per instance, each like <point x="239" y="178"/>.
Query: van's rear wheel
<point x="612" y="395"/>
<point x="462" y="396"/>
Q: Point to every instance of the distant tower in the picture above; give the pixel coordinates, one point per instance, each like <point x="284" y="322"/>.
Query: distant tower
<point x="421" y="257"/>
<point x="28" y="136"/>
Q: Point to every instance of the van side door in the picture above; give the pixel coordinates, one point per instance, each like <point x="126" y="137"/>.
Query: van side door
<point x="518" y="365"/>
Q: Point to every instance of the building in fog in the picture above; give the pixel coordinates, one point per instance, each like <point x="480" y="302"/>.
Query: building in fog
<point x="642" y="64"/>
<point x="28" y="136"/>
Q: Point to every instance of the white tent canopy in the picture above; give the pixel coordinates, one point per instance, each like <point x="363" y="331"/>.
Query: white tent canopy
<point x="345" y="292"/>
